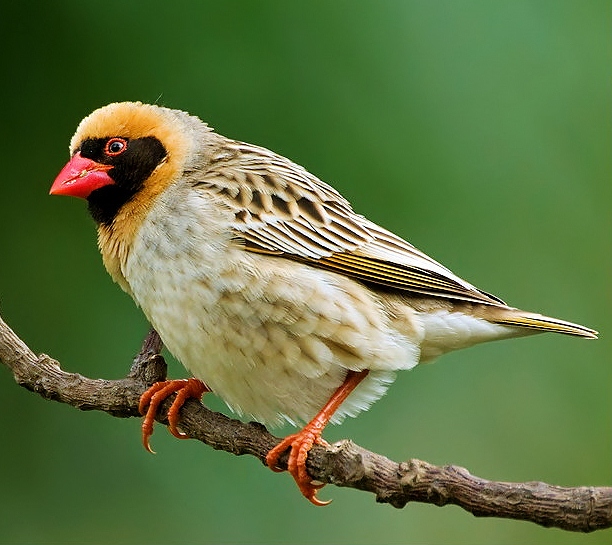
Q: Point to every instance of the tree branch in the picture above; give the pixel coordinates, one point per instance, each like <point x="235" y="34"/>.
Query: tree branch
<point x="581" y="509"/>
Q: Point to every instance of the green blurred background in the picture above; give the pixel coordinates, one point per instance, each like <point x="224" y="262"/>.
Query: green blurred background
<point x="478" y="130"/>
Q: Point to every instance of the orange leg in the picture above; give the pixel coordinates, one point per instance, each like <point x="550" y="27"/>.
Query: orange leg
<point x="151" y="399"/>
<point x="300" y="443"/>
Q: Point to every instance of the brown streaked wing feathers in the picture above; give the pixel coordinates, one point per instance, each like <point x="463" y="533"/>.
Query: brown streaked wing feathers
<point x="283" y="210"/>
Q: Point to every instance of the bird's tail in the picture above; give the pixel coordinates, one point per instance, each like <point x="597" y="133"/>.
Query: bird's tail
<point x="538" y="322"/>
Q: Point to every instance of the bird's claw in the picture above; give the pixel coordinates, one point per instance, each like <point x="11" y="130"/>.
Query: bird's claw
<point x="299" y="443"/>
<point x="153" y="397"/>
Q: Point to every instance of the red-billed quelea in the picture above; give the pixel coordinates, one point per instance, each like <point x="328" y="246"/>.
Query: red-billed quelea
<point x="262" y="280"/>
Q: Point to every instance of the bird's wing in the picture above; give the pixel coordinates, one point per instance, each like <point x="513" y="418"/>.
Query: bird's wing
<point x="283" y="210"/>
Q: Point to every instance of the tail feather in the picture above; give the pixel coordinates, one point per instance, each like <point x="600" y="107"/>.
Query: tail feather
<point x="545" y="323"/>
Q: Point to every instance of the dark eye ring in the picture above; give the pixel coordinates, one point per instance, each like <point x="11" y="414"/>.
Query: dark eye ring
<point x="115" y="146"/>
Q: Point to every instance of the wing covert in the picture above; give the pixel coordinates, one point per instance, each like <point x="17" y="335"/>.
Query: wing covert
<point x="281" y="209"/>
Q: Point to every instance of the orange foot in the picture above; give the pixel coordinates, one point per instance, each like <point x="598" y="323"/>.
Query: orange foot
<point x="300" y="444"/>
<point x="303" y="441"/>
<point x="151" y="399"/>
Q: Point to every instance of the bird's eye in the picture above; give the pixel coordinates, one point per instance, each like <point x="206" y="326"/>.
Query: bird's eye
<point x="115" y="146"/>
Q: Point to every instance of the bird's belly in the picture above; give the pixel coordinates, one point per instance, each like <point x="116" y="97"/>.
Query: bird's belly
<point x="273" y="339"/>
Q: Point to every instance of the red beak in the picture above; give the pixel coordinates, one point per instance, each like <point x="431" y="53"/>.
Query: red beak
<point x="80" y="177"/>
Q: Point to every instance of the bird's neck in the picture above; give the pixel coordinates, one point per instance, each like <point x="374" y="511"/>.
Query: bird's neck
<point x="115" y="244"/>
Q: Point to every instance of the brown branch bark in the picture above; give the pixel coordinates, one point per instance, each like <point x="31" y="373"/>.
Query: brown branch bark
<point x="581" y="509"/>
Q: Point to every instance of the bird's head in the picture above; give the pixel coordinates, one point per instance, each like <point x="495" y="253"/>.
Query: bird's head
<point x="123" y="150"/>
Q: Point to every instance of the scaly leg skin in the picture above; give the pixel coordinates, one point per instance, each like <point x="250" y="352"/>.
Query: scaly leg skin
<point x="151" y="399"/>
<point x="301" y="442"/>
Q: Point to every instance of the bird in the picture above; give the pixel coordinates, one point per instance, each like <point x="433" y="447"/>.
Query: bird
<point x="263" y="281"/>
